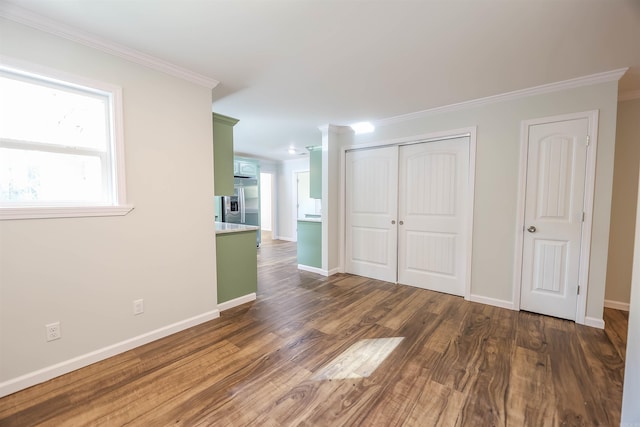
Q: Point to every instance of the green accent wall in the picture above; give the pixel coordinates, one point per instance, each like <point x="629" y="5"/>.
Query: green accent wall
<point x="223" y="154"/>
<point x="237" y="264"/>
<point x="310" y="243"/>
<point x="315" y="173"/>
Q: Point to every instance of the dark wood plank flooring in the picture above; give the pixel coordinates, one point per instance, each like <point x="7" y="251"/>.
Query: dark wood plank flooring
<point x="459" y="364"/>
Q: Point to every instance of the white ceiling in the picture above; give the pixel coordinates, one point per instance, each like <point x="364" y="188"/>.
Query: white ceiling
<point x="287" y="67"/>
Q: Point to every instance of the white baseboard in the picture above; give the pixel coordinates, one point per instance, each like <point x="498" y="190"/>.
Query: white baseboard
<point x="286" y="239"/>
<point x="45" y="374"/>
<point x="491" y="301"/>
<point x="320" y="271"/>
<point x="313" y="270"/>
<point x="617" y="305"/>
<point x="594" y="322"/>
<point x="588" y="321"/>
<point x="334" y="271"/>
<point x="237" y="301"/>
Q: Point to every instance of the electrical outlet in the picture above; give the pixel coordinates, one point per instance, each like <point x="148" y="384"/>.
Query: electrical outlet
<point x="53" y="331"/>
<point x="138" y="306"/>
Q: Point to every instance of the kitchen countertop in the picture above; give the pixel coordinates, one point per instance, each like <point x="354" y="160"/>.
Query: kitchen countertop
<point x="227" y="227"/>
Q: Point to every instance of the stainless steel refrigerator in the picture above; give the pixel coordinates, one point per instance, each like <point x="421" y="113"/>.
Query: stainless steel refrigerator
<point x="244" y="206"/>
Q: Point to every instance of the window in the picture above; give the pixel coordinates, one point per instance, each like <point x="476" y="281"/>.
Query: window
<point x="60" y="148"/>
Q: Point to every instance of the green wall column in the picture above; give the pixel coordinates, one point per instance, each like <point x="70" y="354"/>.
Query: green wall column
<point x="236" y="262"/>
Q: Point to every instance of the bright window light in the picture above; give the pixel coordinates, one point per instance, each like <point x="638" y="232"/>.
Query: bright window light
<point x="363" y="127"/>
<point x="59" y="146"/>
<point x="54" y="144"/>
<point x="360" y="360"/>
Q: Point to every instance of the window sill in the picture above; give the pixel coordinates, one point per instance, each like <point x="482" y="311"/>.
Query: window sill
<point x="63" y="212"/>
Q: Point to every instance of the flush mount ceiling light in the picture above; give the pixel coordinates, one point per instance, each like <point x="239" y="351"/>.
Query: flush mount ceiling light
<point x="363" y="127"/>
<point x="293" y="150"/>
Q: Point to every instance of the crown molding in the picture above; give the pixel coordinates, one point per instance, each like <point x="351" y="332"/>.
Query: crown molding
<point x="592" y="79"/>
<point x="629" y="95"/>
<point x="39" y="22"/>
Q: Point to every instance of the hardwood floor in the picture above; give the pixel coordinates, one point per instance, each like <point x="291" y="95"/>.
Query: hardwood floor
<point x="261" y="364"/>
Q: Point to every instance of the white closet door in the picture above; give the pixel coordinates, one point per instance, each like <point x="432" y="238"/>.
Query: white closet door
<point x="432" y="230"/>
<point x="371" y="207"/>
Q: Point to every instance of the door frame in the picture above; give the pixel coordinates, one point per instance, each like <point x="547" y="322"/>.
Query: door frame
<point x="589" y="190"/>
<point x="470" y="132"/>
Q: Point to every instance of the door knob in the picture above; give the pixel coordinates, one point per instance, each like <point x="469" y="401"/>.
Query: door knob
<point x="401" y="222"/>
<point x="531" y="229"/>
<point x="393" y="221"/>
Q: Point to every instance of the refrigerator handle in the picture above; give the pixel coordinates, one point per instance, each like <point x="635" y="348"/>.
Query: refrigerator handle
<point x="224" y="201"/>
<point x="241" y="203"/>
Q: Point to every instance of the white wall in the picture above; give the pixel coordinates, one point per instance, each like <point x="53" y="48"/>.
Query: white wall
<point x="497" y="160"/>
<point x="333" y="138"/>
<point x="268" y="166"/>
<point x="271" y="167"/>
<point x="86" y="272"/>
<point x="623" y="206"/>
<point x="631" y="391"/>
<point x="286" y="200"/>
<point x="266" y="201"/>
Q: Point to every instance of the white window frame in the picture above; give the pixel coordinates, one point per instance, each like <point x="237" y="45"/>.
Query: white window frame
<point x="119" y="205"/>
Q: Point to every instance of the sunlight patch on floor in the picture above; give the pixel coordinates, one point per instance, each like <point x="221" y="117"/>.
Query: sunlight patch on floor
<point x="359" y="360"/>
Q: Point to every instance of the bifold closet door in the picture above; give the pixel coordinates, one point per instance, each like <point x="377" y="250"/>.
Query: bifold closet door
<point x="432" y="215"/>
<point x="371" y="208"/>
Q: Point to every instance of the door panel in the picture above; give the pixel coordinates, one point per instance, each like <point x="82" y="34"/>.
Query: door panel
<point x="371" y="206"/>
<point x="550" y="266"/>
<point x="432" y="252"/>
<point x="433" y="190"/>
<point x="554" y="205"/>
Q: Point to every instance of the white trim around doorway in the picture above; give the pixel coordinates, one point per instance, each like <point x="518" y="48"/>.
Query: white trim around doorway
<point x="590" y="178"/>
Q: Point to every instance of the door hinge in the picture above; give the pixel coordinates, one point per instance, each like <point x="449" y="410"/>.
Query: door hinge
<point x="582" y="216"/>
<point x="578" y="289"/>
<point x="588" y="140"/>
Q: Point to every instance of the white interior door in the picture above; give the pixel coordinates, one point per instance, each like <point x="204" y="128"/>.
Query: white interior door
<point x="554" y="206"/>
<point x="432" y="215"/>
<point x="371" y="208"/>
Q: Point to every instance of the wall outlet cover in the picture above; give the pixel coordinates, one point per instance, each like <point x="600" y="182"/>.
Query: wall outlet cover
<point x="138" y="306"/>
<point x="53" y="331"/>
